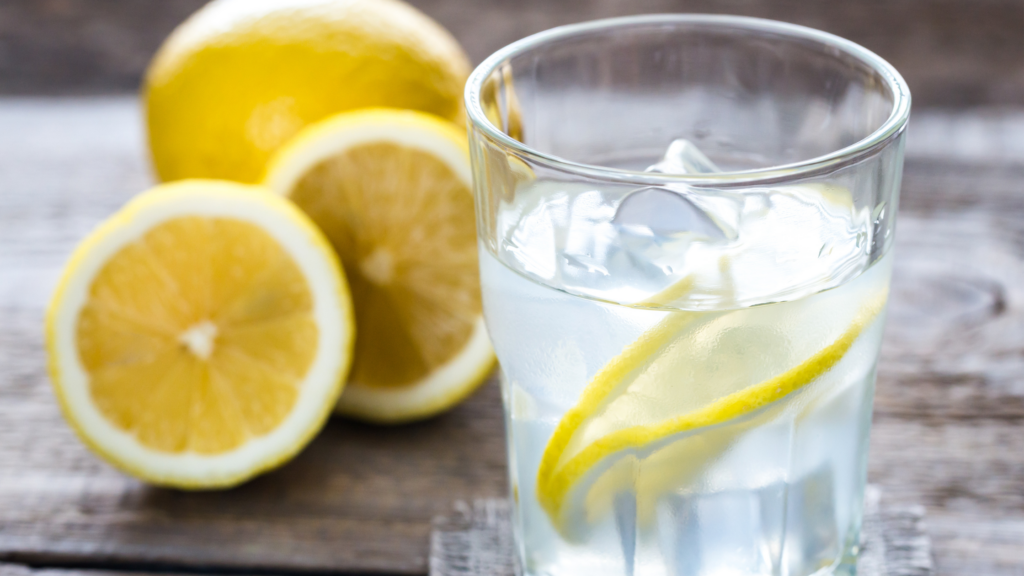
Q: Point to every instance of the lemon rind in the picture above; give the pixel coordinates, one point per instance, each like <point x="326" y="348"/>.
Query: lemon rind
<point x="353" y="40"/>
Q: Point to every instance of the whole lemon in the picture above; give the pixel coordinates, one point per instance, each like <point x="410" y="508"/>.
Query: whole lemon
<point x="240" y="77"/>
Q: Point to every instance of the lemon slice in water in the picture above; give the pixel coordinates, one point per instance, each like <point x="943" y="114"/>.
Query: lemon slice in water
<point x="656" y="414"/>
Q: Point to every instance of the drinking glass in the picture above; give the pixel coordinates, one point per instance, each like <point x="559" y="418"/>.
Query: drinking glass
<point x="685" y="227"/>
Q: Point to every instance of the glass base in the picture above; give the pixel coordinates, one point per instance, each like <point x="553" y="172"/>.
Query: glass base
<point x="597" y="564"/>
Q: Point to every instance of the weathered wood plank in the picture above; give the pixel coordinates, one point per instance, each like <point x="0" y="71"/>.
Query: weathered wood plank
<point x="7" y="569"/>
<point x="952" y="52"/>
<point x="358" y="498"/>
<point x="977" y="543"/>
<point x="949" y="411"/>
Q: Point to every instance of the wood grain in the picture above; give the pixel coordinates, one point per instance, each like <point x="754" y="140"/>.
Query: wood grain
<point x="949" y="412"/>
<point x="8" y="569"/>
<point x="952" y="52"/>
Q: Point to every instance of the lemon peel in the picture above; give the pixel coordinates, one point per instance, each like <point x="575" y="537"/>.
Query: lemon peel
<point x="238" y="79"/>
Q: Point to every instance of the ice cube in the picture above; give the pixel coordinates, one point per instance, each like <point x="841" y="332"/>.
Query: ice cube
<point x="683" y="157"/>
<point x="665" y="213"/>
<point x="656" y="226"/>
<point x="668" y="211"/>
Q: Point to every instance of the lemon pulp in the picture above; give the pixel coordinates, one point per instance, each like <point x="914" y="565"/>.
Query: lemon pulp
<point x="196" y="336"/>
<point x="402" y="224"/>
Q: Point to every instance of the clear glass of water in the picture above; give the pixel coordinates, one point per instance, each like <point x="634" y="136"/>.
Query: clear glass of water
<point x="686" y="227"/>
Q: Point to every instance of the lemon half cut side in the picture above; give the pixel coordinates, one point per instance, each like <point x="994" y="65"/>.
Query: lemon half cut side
<point x="391" y="189"/>
<point x="201" y="334"/>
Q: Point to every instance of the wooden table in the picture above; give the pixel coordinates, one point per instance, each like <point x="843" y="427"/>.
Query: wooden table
<point x="949" y="420"/>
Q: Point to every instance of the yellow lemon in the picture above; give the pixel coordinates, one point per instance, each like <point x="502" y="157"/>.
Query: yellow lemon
<point x="391" y="189"/>
<point x="201" y="335"/>
<point x="241" y="77"/>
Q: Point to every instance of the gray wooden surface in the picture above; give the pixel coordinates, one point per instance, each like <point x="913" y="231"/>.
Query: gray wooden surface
<point x="954" y="53"/>
<point x="476" y="540"/>
<point x="948" y="430"/>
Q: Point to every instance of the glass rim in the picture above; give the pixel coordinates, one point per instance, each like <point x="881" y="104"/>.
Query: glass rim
<point x="894" y="124"/>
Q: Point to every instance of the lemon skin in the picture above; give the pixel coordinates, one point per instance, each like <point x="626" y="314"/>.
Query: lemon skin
<point x="240" y="78"/>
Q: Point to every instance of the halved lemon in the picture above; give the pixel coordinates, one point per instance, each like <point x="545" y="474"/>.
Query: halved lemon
<point x="638" y="428"/>
<point x="201" y="335"/>
<point x="391" y="189"/>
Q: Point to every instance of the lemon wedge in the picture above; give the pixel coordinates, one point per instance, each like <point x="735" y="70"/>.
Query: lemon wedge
<point x="676" y="398"/>
<point x="391" y="189"/>
<point x="239" y="78"/>
<point x="201" y="334"/>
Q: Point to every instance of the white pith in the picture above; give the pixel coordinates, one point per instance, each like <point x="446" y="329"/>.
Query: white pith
<point x="200" y="338"/>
